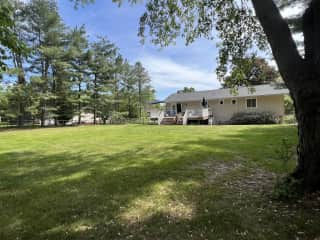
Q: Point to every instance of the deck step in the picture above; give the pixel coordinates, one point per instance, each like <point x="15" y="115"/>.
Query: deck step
<point x="168" y="121"/>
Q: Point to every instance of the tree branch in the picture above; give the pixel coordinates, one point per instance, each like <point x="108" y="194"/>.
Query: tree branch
<point x="280" y="38"/>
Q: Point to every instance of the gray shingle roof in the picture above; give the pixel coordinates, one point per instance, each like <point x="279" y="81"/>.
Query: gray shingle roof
<point x="261" y="90"/>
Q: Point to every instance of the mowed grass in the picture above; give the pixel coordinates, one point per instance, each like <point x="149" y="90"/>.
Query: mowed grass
<point x="148" y="182"/>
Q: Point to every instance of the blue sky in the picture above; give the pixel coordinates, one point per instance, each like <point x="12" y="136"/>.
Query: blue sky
<point x="170" y="68"/>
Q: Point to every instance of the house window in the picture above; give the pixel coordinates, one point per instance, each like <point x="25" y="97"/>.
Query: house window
<point x="233" y="101"/>
<point x="252" y="103"/>
<point x="221" y="102"/>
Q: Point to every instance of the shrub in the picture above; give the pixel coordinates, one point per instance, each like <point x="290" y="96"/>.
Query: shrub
<point x="117" y="117"/>
<point x="254" y="118"/>
<point x="290" y="119"/>
<point x="285" y="152"/>
<point x="287" y="188"/>
<point x="288" y="105"/>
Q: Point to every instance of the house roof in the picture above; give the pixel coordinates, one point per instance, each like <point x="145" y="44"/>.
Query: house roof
<point x="156" y="101"/>
<point x="260" y="90"/>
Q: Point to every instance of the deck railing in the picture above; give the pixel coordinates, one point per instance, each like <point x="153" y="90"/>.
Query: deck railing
<point x="198" y="112"/>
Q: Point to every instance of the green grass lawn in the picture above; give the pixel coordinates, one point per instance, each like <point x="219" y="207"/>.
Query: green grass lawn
<point x="148" y="182"/>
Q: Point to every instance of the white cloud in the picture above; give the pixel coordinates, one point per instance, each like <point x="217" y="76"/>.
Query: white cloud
<point x="168" y="74"/>
<point x="293" y="10"/>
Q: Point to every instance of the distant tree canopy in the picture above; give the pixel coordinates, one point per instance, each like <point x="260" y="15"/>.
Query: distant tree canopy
<point x="250" y="72"/>
<point x="64" y="75"/>
<point x="186" y="90"/>
<point x="8" y="37"/>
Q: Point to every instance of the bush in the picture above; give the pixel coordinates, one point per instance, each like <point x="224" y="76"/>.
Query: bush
<point x="288" y="105"/>
<point x="254" y="118"/>
<point x="4" y="123"/>
<point x="287" y="188"/>
<point x="117" y="117"/>
<point x="290" y="119"/>
<point x="285" y="153"/>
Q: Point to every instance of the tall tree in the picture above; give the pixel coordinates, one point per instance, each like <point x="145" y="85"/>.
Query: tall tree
<point x="128" y="88"/>
<point x="46" y="36"/>
<point x="8" y="37"/>
<point x="250" y="72"/>
<point x="78" y="58"/>
<point x="15" y="58"/>
<point x="118" y="68"/>
<point x="143" y="82"/>
<point x="102" y="57"/>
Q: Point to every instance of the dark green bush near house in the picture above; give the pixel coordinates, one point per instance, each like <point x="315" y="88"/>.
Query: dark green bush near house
<point x="254" y="118"/>
<point x="290" y="119"/>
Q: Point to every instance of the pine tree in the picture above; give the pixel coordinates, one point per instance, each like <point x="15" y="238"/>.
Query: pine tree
<point x="101" y="63"/>
<point x="78" y="59"/>
<point x="46" y="35"/>
<point x="144" y="88"/>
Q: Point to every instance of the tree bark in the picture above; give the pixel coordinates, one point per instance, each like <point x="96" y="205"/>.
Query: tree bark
<point x="308" y="117"/>
<point x="21" y="82"/>
<point x="302" y="77"/>
<point x="42" y="117"/>
<point x="95" y="100"/>
<point x="79" y="103"/>
<point x="307" y="102"/>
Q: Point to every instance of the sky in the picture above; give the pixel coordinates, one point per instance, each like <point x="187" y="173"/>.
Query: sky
<point x="170" y="68"/>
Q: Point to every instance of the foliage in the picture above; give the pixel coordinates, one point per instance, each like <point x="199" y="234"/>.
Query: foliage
<point x="287" y="188"/>
<point x="118" y="117"/>
<point x="254" y="118"/>
<point x="186" y="90"/>
<point x="288" y="105"/>
<point x="290" y="119"/>
<point x="8" y="37"/>
<point x="285" y="152"/>
<point x="65" y="75"/>
<point x="251" y="71"/>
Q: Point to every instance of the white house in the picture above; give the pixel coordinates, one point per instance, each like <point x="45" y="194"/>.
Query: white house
<point x="220" y="105"/>
<point x="86" y="118"/>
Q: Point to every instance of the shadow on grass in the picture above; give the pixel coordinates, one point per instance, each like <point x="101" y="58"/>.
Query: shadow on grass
<point x="135" y="194"/>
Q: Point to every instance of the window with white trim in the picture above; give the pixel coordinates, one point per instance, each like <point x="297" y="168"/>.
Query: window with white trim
<point x="251" y="103"/>
<point x="233" y="101"/>
<point x="221" y="102"/>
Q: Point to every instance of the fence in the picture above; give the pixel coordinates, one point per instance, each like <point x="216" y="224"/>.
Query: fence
<point x="65" y="123"/>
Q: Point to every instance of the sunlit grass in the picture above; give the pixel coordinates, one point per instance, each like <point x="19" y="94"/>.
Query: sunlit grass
<point x="146" y="182"/>
<point x="162" y="198"/>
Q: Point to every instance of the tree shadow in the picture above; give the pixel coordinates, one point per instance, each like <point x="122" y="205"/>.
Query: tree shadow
<point x="141" y="193"/>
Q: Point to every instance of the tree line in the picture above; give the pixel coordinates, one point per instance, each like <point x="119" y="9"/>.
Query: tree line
<point x="61" y="74"/>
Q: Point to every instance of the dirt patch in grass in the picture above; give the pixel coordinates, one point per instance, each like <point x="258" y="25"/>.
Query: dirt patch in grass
<point x="216" y="170"/>
<point x="258" y="181"/>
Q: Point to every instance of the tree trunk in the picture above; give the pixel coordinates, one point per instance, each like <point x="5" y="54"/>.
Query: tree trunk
<point x="308" y="169"/>
<point x="95" y="100"/>
<point x="302" y="77"/>
<point x="21" y="82"/>
<point x="42" y="117"/>
<point x="307" y="103"/>
<point x="140" y="110"/>
<point x="79" y="103"/>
